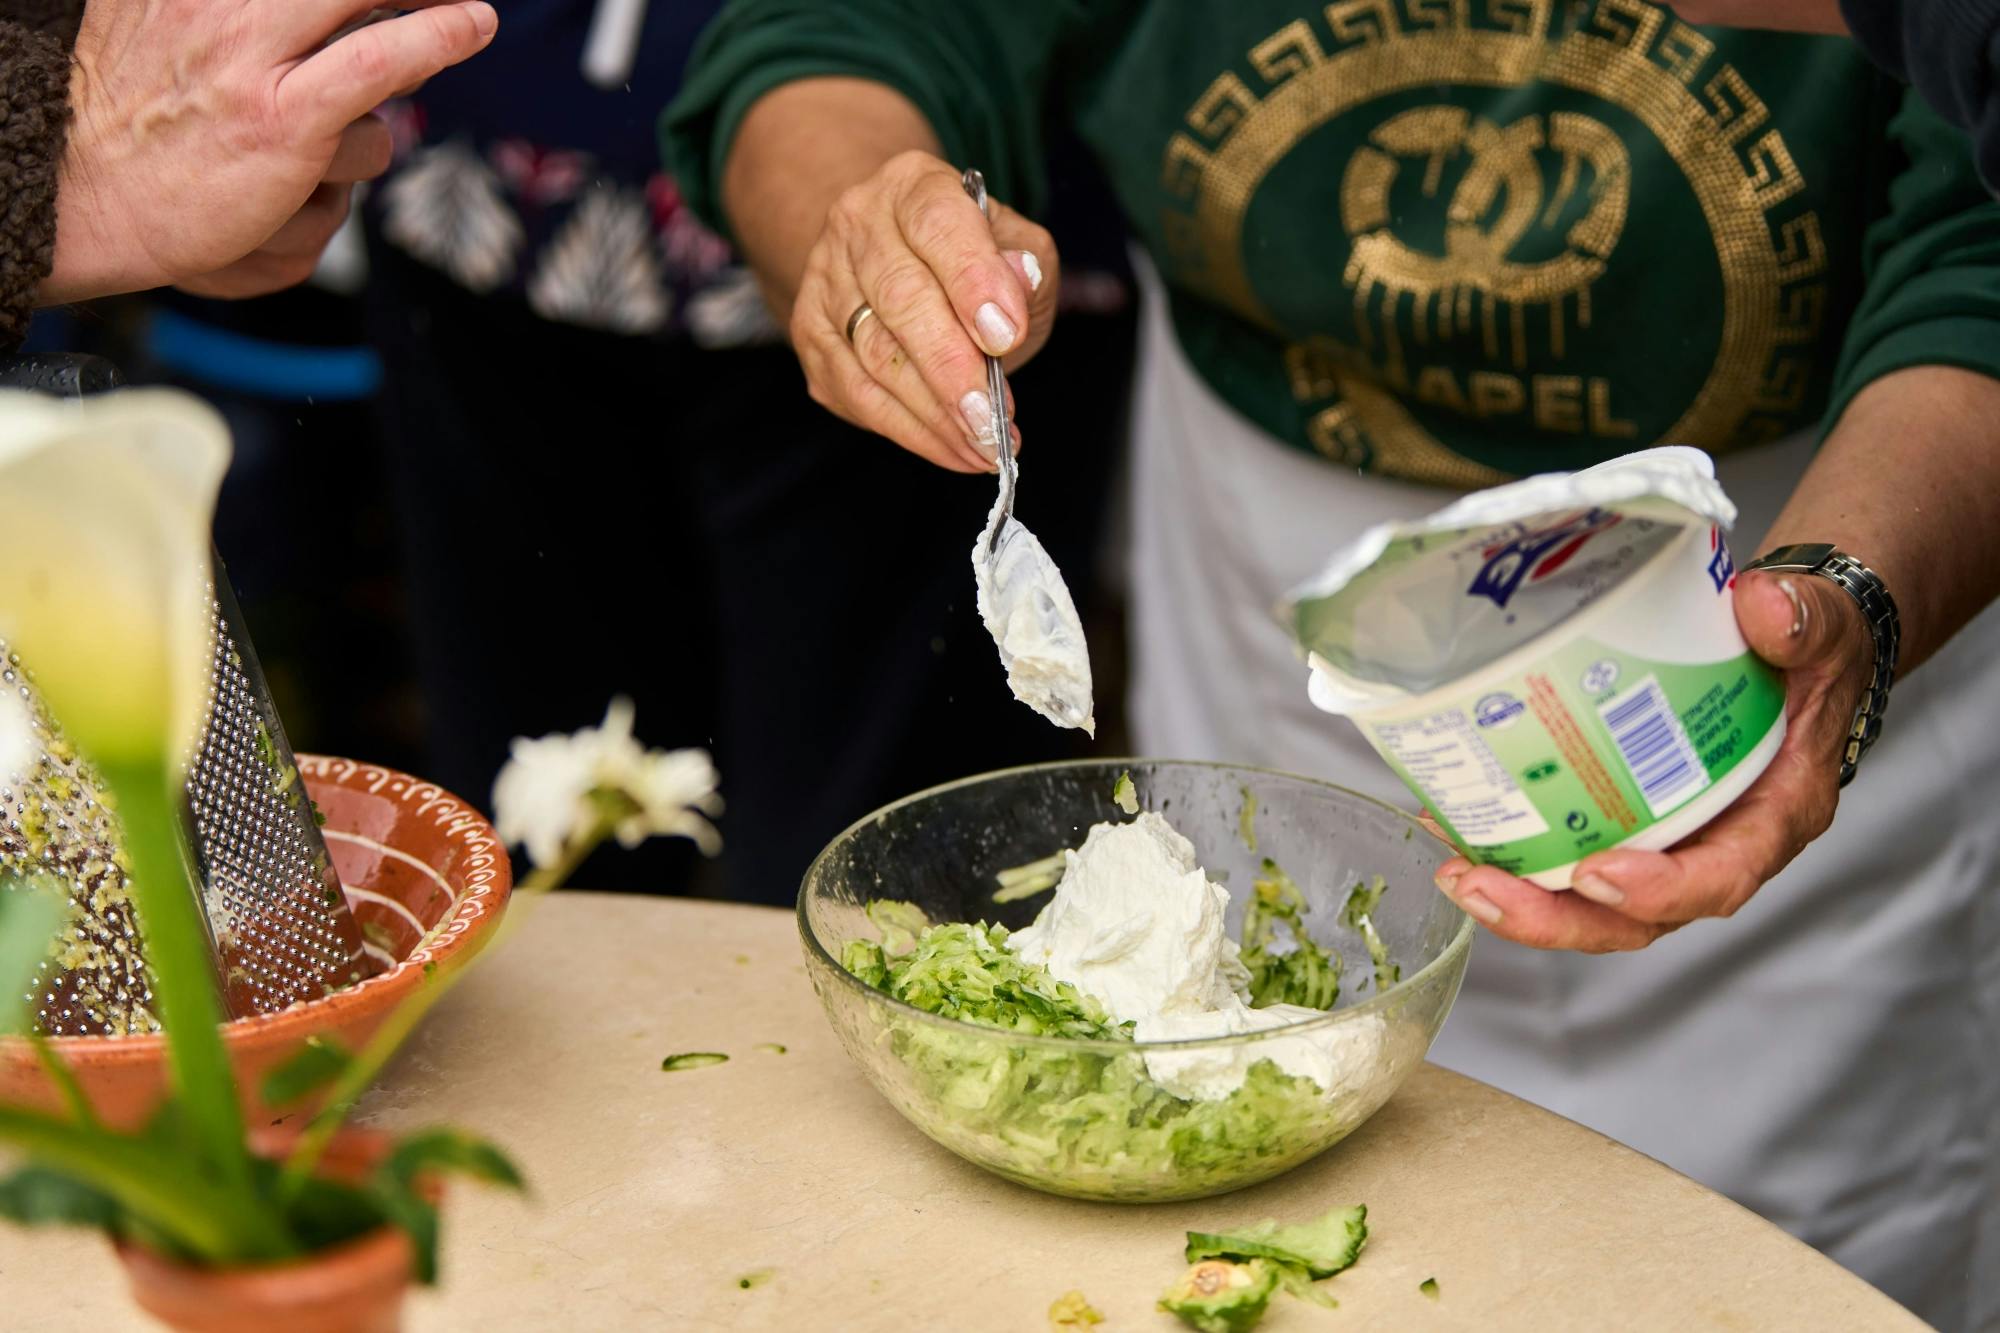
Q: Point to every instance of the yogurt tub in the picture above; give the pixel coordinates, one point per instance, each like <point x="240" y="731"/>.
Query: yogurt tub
<point x="1553" y="666"/>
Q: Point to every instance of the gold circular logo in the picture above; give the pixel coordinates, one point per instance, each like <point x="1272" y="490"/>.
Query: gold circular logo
<point x="1516" y="238"/>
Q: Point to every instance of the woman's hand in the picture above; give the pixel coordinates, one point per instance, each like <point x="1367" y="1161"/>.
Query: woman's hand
<point x="1813" y="632"/>
<point x="945" y="288"/>
<point x="1905" y="483"/>
<point x="214" y="143"/>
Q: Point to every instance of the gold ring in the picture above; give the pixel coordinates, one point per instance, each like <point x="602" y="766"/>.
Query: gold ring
<point x="861" y="312"/>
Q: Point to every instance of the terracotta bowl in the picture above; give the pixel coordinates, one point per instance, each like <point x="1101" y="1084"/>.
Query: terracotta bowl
<point x="428" y="880"/>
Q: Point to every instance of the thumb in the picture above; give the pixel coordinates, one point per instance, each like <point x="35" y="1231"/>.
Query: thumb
<point x="1794" y="620"/>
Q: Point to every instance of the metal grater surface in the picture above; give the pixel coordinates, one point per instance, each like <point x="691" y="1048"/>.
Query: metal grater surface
<point x="280" y="925"/>
<point x="93" y="983"/>
<point x="282" y="928"/>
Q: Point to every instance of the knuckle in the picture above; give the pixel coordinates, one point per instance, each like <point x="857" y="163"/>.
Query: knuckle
<point x="369" y="63"/>
<point x="936" y="223"/>
<point x="955" y="362"/>
<point x="909" y="164"/>
<point x="902" y="287"/>
<point x="850" y="206"/>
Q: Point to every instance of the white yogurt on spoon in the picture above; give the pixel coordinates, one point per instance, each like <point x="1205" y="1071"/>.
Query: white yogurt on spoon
<point x="1032" y="618"/>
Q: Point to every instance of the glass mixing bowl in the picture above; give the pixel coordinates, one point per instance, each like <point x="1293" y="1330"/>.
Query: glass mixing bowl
<point x="1083" y="1117"/>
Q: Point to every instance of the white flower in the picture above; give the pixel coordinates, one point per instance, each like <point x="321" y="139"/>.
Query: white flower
<point x="106" y="508"/>
<point x="556" y="790"/>
<point x="675" y="793"/>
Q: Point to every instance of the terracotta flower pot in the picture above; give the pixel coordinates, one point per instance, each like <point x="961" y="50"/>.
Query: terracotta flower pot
<point x="428" y="879"/>
<point x="353" y="1288"/>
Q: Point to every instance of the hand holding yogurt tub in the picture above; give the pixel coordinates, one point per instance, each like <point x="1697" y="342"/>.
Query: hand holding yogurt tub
<point x="1586" y="694"/>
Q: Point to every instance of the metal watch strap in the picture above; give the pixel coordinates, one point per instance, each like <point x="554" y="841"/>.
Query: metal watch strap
<point x="1878" y="609"/>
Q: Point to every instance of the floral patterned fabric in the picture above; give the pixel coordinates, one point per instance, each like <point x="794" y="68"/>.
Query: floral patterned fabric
<point x="520" y="179"/>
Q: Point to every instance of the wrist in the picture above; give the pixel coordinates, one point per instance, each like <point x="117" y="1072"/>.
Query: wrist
<point x="93" y="255"/>
<point x="1875" y="616"/>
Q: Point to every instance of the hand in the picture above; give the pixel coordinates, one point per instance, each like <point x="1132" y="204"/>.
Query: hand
<point x="946" y="288"/>
<point x="292" y="253"/>
<point x="1620" y="899"/>
<point x="214" y="142"/>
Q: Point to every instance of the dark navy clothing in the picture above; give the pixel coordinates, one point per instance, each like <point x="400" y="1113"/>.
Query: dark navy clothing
<point x="1950" y="51"/>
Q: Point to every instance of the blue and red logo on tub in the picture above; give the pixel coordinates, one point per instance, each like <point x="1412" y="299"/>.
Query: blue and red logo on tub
<point x="1497" y="709"/>
<point x="1721" y="565"/>
<point x="1536" y="553"/>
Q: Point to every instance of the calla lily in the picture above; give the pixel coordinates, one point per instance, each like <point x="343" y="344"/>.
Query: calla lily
<point x="105" y="510"/>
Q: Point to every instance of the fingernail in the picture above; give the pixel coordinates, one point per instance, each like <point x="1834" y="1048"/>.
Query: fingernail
<point x="1599" y="890"/>
<point x="996" y="331"/>
<point x="1031" y="268"/>
<point x="1446" y="880"/>
<point x="1480" y="906"/>
<point x="977" y="409"/>
<point x="1791" y="591"/>
<point x="484" y="19"/>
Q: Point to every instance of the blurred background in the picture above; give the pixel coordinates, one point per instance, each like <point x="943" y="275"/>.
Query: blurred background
<point x="530" y="440"/>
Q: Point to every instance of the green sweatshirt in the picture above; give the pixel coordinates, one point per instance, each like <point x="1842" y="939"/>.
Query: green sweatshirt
<point x="1452" y="240"/>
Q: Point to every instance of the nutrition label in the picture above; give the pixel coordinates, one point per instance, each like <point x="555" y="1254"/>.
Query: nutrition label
<point x="1444" y="755"/>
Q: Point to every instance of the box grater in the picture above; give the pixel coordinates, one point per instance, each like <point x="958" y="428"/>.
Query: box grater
<point x="279" y="924"/>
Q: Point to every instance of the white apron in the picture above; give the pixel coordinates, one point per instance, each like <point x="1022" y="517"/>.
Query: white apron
<point x="1830" y="1057"/>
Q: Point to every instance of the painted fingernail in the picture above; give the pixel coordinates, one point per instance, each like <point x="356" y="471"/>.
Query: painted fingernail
<point x="1599" y="890"/>
<point x="977" y="409"/>
<point x="1791" y="591"/>
<point x="1480" y="906"/>
<point x="485" y="21"/>
<point x="1031" y="268"/>
<point x="996" y="331"/>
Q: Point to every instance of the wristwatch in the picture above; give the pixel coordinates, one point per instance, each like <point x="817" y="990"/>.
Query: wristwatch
<point x="1878" y="609"/>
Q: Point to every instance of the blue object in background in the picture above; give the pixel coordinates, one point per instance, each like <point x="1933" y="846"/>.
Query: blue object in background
<point x="212" y="357"/>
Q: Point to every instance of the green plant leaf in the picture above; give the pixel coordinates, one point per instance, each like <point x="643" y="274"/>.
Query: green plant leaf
<point x="171" y="1191"/>
<point x="185" y="986"/>
<point x="328" y="1213"/>
<point x="419" y="1220"/>
<point x="316" y="1064"/>
<point x="36" y="1196"/>
<point x="31" y="912"/>
<point x="450" y="1151"/>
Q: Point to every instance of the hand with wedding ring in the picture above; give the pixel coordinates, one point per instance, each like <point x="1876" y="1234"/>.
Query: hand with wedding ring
<point x="905" y="292"/>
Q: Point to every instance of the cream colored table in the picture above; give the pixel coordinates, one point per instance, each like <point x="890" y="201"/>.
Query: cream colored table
<point x="655" y="1192"/>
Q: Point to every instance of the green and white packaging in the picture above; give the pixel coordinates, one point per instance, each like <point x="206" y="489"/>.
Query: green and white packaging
<point x="1552" y="666"/>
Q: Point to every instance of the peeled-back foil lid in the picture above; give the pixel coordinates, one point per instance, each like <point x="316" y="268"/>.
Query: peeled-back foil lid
<point x="1409" y="606"/>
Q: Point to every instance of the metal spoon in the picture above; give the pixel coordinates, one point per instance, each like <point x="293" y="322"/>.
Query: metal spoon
<point x="1022" y="597"/>
<point x="996" y="392"/>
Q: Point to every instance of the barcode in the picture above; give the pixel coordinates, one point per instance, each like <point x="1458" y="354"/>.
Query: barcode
<point x="1654" y="746"/>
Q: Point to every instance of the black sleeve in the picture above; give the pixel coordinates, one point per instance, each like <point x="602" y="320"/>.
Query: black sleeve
<point x="1950" y="51"/>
